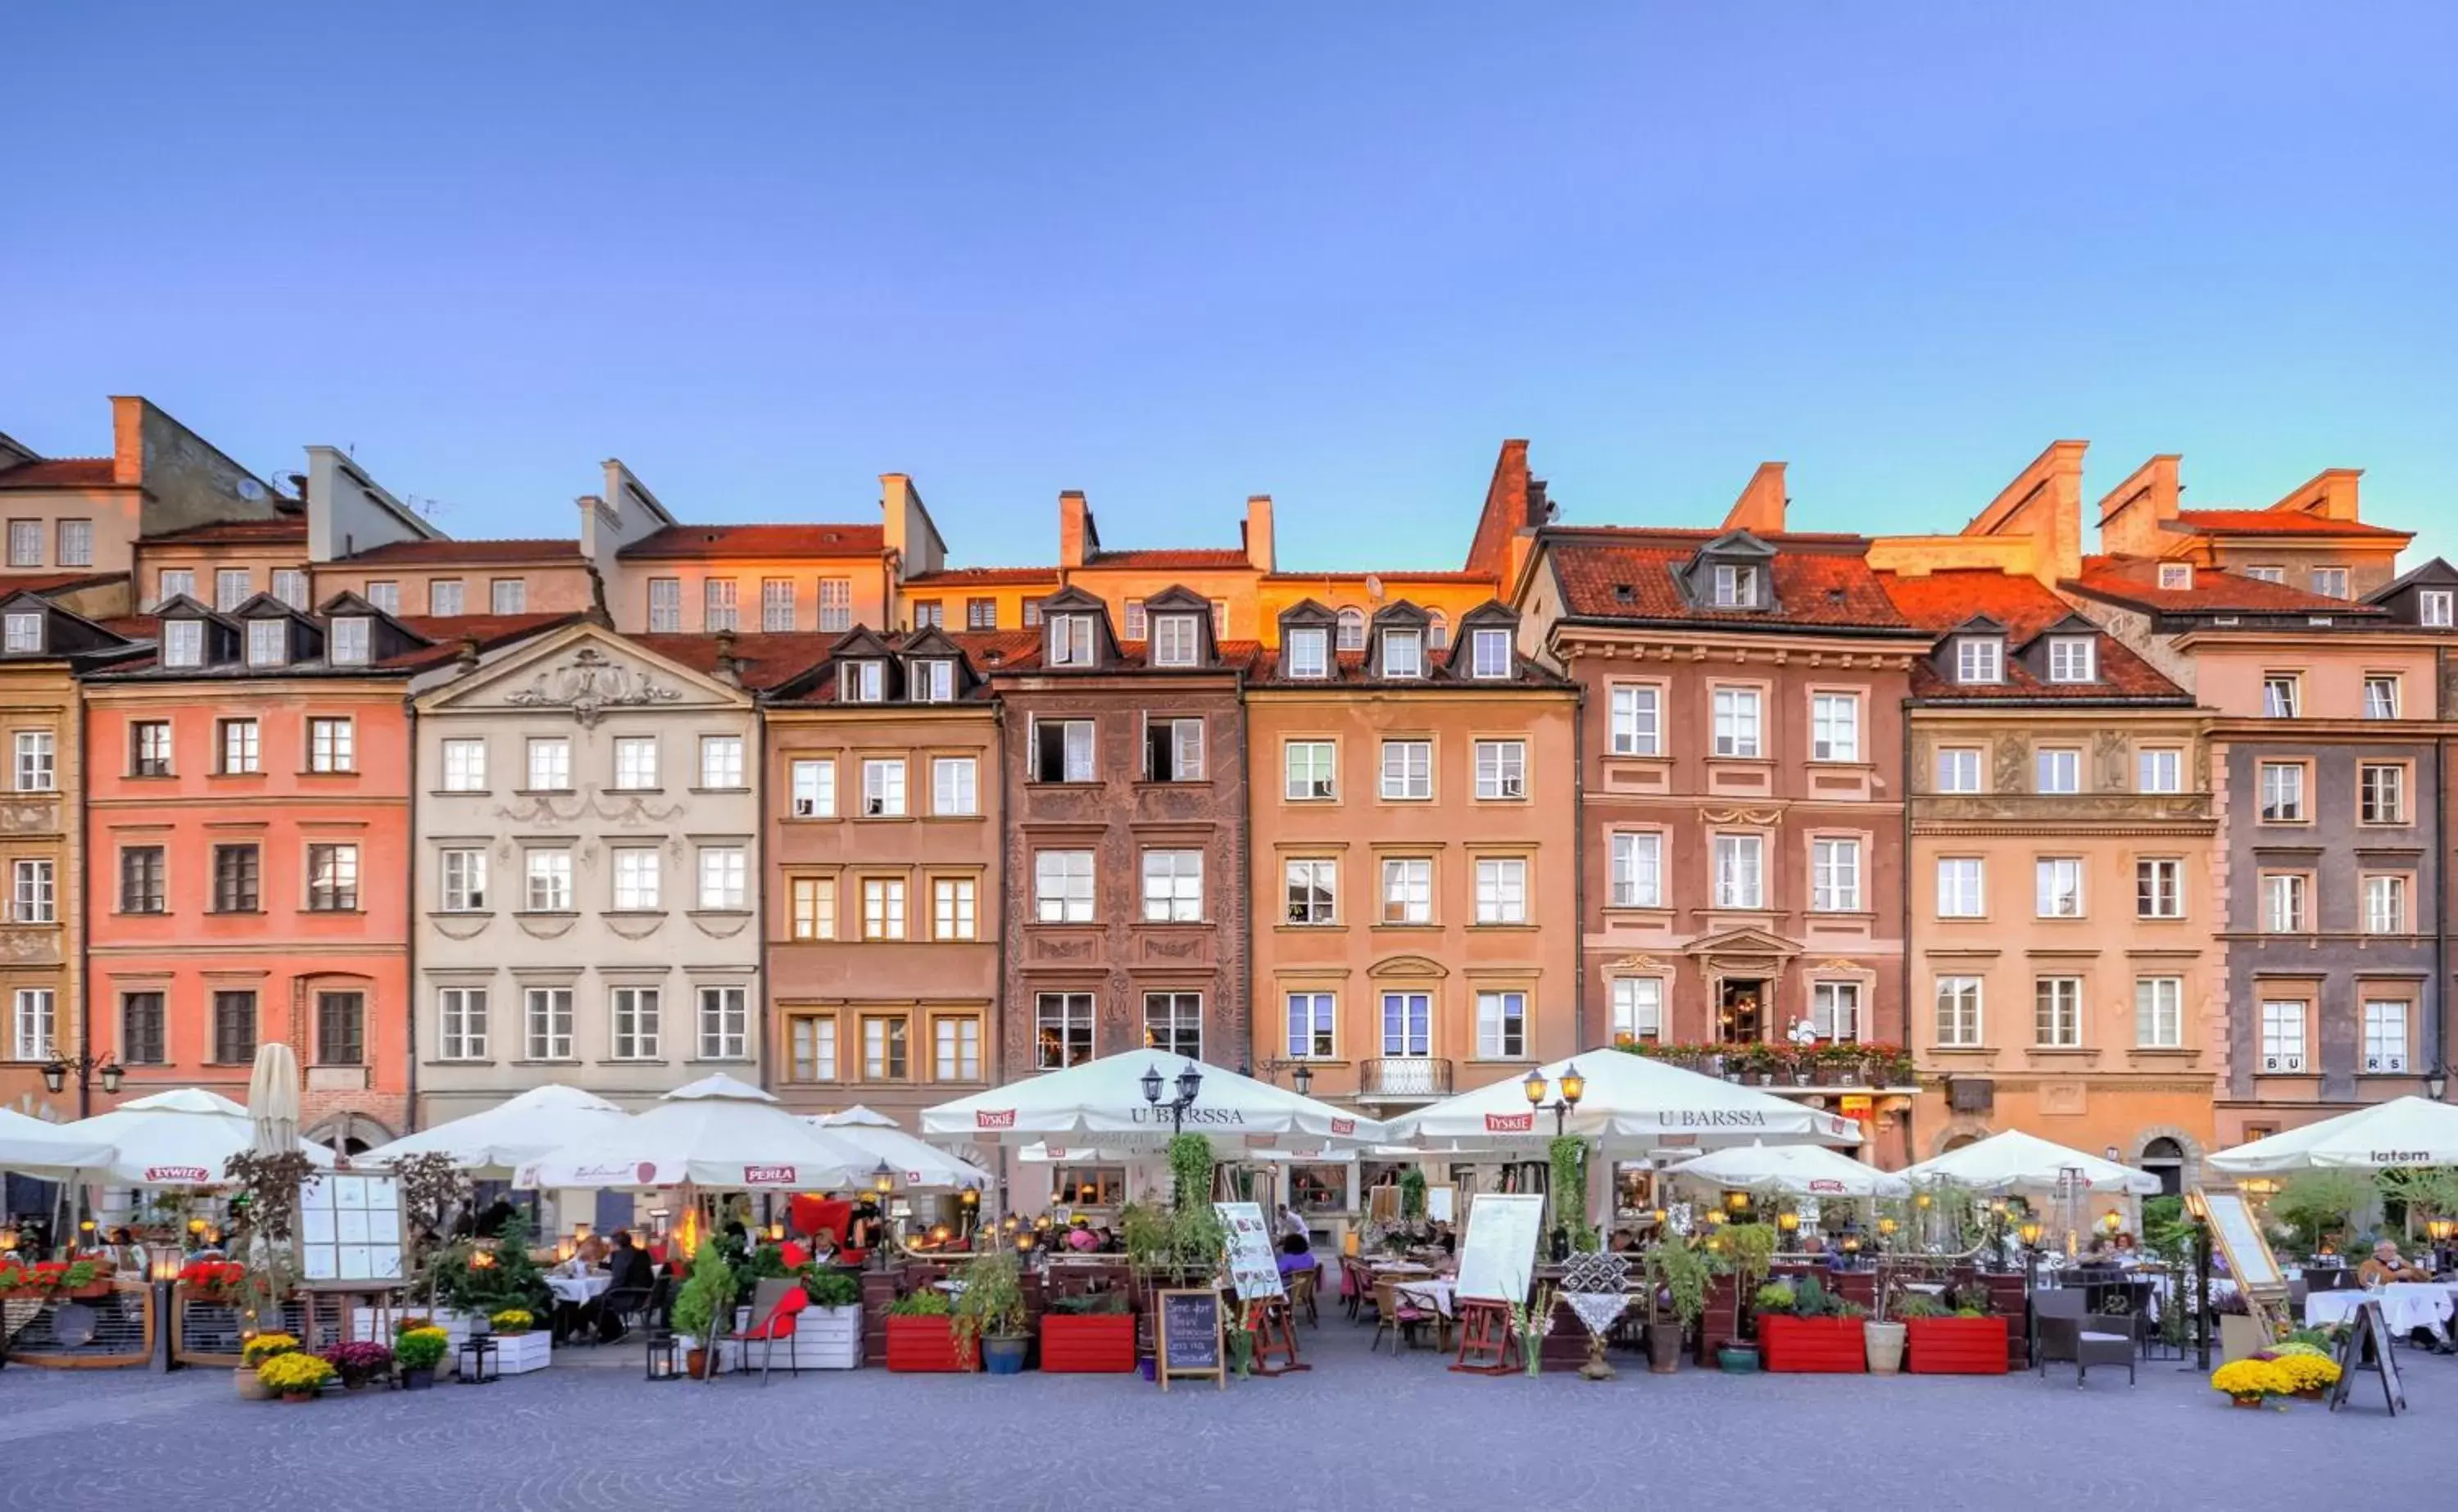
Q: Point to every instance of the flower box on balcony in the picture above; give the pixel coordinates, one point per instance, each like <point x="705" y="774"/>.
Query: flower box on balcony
<point x="1956" y="1346"/>
<point x="1087" y="1342"/>
<point x="925" y="1344"/>
<point x="1813" y="1345"/>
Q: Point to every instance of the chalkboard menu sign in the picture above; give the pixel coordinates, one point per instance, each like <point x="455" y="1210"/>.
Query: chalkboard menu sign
<point x="2365" y="1343"/>
<point x="1186" y="1337"/>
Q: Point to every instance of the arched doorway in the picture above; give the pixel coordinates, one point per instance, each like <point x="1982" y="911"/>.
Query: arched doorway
<point x="348" y="1133"/>
<point x="2165" y="1159"/>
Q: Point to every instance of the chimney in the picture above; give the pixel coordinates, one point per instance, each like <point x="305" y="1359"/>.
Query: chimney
<point x="467" y="659"/>
<point x="1077" y="539"/>
<point x="127" y="439"/>
<point x="2131" y="513"/>
<point x="1760" y="510"/>
<point x="1259" y="532"/>
<point x="729" y="671"/>
<point x="2330" y="495"/>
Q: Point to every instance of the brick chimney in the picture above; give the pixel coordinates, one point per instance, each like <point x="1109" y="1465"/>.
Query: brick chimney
<point x="1078" y="541"/>
<point x="2131" y="513"/>
<point x="1259" y="532"/>
<point x="1760" y="510"/>
<point x="729" y="669"/>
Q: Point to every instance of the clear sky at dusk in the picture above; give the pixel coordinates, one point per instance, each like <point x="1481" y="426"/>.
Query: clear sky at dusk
<point x="1174" y="254"/>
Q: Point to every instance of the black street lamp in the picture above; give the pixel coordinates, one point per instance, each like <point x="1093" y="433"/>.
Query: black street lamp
<point x="87" y="1067"/>
<point x="1189" y="1082"/>
<point x="2436" y="1082"/>
<point x="1574" y="1087"/>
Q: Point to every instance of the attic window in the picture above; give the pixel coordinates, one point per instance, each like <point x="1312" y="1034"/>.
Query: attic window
<point x="934" y="680"/>
<point x="25" y="630"/>
<point x="1624" y="593"/>
<point x="1174" y="641"/>
<point x="2072" y="658"/>
<point x="268" y="642"/>
<point x="1071" y="640"/>
<point x="1979" y="659"/>
<point x="2176" y="577"/>
<point x="350" y="641"/>
<point x="2432" y="608"/>
<point x="1489" y="653"/>
<point x="183" y="643"/>
<point x="1307" y="656"/>
<point x="1403" y="653"/>
<point x="864" y="681"/>
<point x="1736" y="586"/>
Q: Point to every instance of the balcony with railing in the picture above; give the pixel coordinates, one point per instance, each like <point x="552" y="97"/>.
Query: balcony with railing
<point x="1404" y="1077"/>
<point x="1844" y="1066"/>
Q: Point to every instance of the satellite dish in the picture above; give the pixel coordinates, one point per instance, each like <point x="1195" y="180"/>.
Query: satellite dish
<point x="250" y="489"/>
<point x="1374" y="586"/>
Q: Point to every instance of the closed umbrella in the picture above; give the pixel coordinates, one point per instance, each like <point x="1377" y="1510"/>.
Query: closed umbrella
<point x="273" y="1099"/>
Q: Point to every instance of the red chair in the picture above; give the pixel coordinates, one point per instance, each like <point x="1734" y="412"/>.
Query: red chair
<point x="777" y="1326"/>
<point x="793" y="1254"/>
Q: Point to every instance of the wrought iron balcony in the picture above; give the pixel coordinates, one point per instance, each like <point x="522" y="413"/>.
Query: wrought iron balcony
<point x="1401" y="1077"/>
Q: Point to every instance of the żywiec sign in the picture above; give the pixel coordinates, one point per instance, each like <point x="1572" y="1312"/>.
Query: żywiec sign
<point x="1823" y="1185"/>
<point x="1343" y="1126"/>
<point x="197" y="1174"/>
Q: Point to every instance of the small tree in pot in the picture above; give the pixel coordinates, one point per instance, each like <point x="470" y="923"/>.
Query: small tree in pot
<point x="706" y="1300"/>
<point x="1677" y="1273"/>
<point x="990" y="1311"/>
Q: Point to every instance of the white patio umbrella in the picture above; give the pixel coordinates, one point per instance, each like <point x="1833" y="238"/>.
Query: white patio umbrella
<point x="716" y="1135"/>
<point x="493" y="1143"/>
<point x="918" y="1167"/>
<point x="1804" y="1171"/>
<point x="273" y="1099"/>
<point x="855" y="1117"/>
<point x="2015" y="1161"/>
<point x="178" y="1138"/>
<point x="1631" y="1106"/>
<point x="1102" y="1102"/>
<point x="2400" y="1132"/>
<point x="33" y="1148"/>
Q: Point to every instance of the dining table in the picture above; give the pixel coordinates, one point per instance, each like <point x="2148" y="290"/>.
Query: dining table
<point x="578" y="1289"/>
<point x="2406" y="1306"/>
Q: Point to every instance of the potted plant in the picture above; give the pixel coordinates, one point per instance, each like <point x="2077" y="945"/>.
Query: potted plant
<point x="1885" y="1339"/>
<point x="989" y="1321"/>
<point x="1677" y="1273"/>
<point x="1803" y="1329"/>
<point x="828" y="1336"/>
<point x="922" y="1334"/>
<point x="358" y="1362"/>
<point x="2248" y="1381"/>
<point x="86" y="1279"/>
<point x="212" y="1281"/>
<point x="1942" y="1339"/>
<point x="1092" y="1333"/>
<point x="703" y="1306"/>
<point x="416" y="1352"/>
<point x="1762" y="1060"/>
<point x="295" y="1375"/>
<point x="254" y="1351"/>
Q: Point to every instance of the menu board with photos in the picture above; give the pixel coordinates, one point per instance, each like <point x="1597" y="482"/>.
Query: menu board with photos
<point x="350" y="1229"/>
<point x="1253" y="1264"/>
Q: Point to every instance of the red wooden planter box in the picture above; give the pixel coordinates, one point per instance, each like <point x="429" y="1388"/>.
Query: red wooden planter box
<point x="1808" y="1345"/>
<point x="1955" y="1346"/>
<point x="925" y="1344"/>
<point x="1089" y="1342"/>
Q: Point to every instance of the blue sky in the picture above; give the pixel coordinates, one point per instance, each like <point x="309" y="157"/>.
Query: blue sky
<point x="1175" y="255"/>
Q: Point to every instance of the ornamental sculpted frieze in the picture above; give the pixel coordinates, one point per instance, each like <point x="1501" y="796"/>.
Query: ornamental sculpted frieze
<point x="30" y="816"/>
<point x="589" y="685"/>
<point x="2140" y="808"/>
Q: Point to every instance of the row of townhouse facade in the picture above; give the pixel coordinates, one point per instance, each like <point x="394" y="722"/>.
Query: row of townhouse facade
<point x="2141" y="849"/>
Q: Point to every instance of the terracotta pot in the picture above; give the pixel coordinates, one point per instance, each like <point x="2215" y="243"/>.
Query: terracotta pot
<point x="2244" y="1401"/>
<point x="250" y="1387"/>
<point x="2309" y="1393"/>
<point x="298" y="1395"/>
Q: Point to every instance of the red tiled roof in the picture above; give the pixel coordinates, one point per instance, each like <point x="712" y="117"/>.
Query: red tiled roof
<point x="448" y="553"/>
<point x="982" y="576"/>
<point x="2279" y="522"/>
<point x="50" y="582"/>
<point x="1941" y="601"/>
<point x="987" y="651"/>
<point x="448" y="630"/>
<point x="59" y="472"/>
<point x="1351" y="671"/>
<point x="1618" y="576"/>
<point x="760" y="661"/>
<point x="686" y="543"/>
<point x="2135" y="581"/>
<point x="1167" y="560"/>
<point x="288" y="530"/>
<point x="1233" y="655"/>
<point x="1386" y="574"/>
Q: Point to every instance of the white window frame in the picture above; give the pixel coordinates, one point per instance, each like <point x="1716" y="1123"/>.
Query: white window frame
<point x="546" y="1024"/>
<point x="2283" y="1032"/>
<point x="1834" y="727"/>
<point x="550" y="758"/>
<point x="636" y="763"/>
<point x="1959" y="1024"/>
<point x="722" y="758"/>
<point x="813" y="785"/>
<point x="2160" y="769"/>
<point x="2158" y="887"/>
<point x="2057" y="770"/>
<point x="635" y="1023"/>
<point x="2386" y="1026"/>
<point x="1739" y="861"/>
<point x="2072" y="660"/>
<point x="1501" y="770"/>
<point x="1309" y="771"/>
<point x="724" y="879"/>
<point x="1979" y="660"/>
<point x="725" y="1021"/>
<point x="1408" y="891"/>
<point x="1958" y="769"/>
<point x="461" y="1023"/>
<point x="1502" y="1024"/>
<point x="1835" y="875"/>
<point x="1173" y="887"/>
<point x="464" y="765"/>
<point x="547" y="881"/>
<point x="639" y="878"/>
<point x="2057" y="887"/>
<point x="1407" y="771"/>
<point x="1637" y="1010"/>
<point x="1501" y="890"/>
<point x="461" y="879"/>
<point x="2159" y="1013"/>
<point x="1063" y="886"/>
<point x="882" y="788"/>
<point x="1309" y="653"/>
<point x="1740" y="726"/>
<point x="1636" y="859"/>
<point x="1637" y="718"/>
<point x="2056" y="1012"/>
<point x="1962" y="887"/>
<point x="955" y="787"/>
<point x="1489" y="654"/>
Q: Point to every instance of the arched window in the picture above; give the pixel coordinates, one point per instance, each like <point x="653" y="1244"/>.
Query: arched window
<point x="1438" y="629"/>
<point x="1352" y="629"/>
<point x="1958" y="1142"/>
<point x="2165" y="1159"/>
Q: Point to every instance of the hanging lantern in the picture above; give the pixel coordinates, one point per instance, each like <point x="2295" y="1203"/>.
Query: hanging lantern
<point x="1788" y="1222"/>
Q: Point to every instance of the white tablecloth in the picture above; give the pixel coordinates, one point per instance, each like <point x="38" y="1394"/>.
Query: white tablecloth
<point x="2404" y="1305"/>
<point x="578" y="1289"/>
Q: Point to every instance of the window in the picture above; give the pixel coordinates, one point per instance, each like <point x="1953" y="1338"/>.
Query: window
<point x="268" y="642"/>
<point x="1960" y="887"/>
<point x="1132" y="622"/>
<point x="1351" y="630"/>
<point x="720" y="761"/>
<point x="2059" y="892"/>
<point x="2175" y="576"/>
<point x="1407" y="892"/>
<point x="237" y="741"/>
<point x="1740" y="872"/>
<point x="1312" y="1021"/>
<point x="1220" y="618"/>
<point x="776" y="605"/>
<point x="1489" y="653"/>
<point x="2282" y="903"/>
<point x="1736" y="723"/>
<point x="1312" y="892"/>
<point x="2282" y="793"/>
<point x="1071" y="640"/>
<point x="332" y="879"/>
<point x="1062" y="886"/>
<point x="1736" y="586"/>
<point x="1062" y="1025"/>
<point x="2159" y="771"/>
<point x="639" y="878"/>
<point x="635" y="761"/>
<point x="1637" y="1010"/>
<point x="2330" y="581"/>
<point x="1501" y="891"/>
<point x="931" y="679"/>
<point x="2282" y="1035"/>
<point x="148" y="748"/>
<point x="2159" y="888"/>
<point x="235" y="880"/>
<point x="2381" y="793"/>
<point x="882" y="788"/>
<point x="2433" y="607"/>
<point x="815" y="789"/>
<point x="34" y="897"/>
<point x="1407" y="769"/>
<point x="1638" y="870"/>
<point x="955" y="1047"/>
<point x="1637" y="728"/>
<point x="2159" y="1013"/>
<point x="666" y="606"/>
<point x="348" y="645"/>
<point x="955" y="789"/>
<point x="1835" y="1010"/>
<point x="2266" y="574"/>
<point x="2384" y="1035"/>
<point x="547" y="1017"/>
<point x="1403" y="653"/>
<point x="234" y="1028"/>
<point x="718" y="605"/>
<point x="981" y="613"/>
<point x="1958" y="770"/>
<point x="1173" y="887"/>
<point x="142" y="1028"/>
<point x="1834" y="727"/>
<point x="230" y="588"/>
<point x="952" y="908"/>
<point x="462" y="876"/>
<point x="2056" y="771"/>
<point x="331" y="745"/>
<point x="1062" y="751"/>
<point x="461" y="1023"/>
<point x="1307" y="767"/>
<point x="24" y="631"/>
<point x="550" y="879"/>
<point x="724" y="878"/>
<point x="2072" y="658"/>
<point x="2056" y="1012"/>
<point x="1979" y="659"/>
<point x="861" y="680"/>
<point x="37" y="761"/>
<point x="2385" y="905"/>
<point x="1174" y="749"/>
<point x="636" y="1023"/>
<point x="290" y="586"/>
<point x="1408" y="1023"/>
<point x="1176" y="641"/>
<point x="726" y="1025"/>
<point x="1501" y="768"/>
<point x="883" y="908"/>
<point x="1501" y="1025"/>
<point x="814" y="1048"/>
<point x="141" y="879"/>
<point x="341" y="1029"/>
<point x="183" y="643"/>
<point x="507" y="595"/>
<point x="76" y="543"/>
<point x="836" y="603"/>
<point x="1835" y="876"/>
<point x="1310" y="653"/>
<point x="175" y="582"/>
<point x="2381" y="697"/>
<point x="443" y="597"/>
<point x="385" y="595"/>
<point x="1173" y="1024"/>
<point x="2281" y="695"/>
<point x="814" y="901"/>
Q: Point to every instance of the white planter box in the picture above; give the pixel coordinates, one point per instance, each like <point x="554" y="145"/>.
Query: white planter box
<point x="368" y="1324"/>
<point x="519" y="1353"/>
<point x="827" y="1338"/>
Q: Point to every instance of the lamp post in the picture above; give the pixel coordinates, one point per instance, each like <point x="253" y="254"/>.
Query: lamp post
<point x="1190" y="1082"/>
<point x="882" y="1181"/>
<point x="1572" y="1085"/>
<point x="87" y="1067"/>
<point x="2436" y="1082"/>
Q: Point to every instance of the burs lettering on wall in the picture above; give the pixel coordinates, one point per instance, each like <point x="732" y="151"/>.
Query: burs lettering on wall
<point x="589" y="685"/>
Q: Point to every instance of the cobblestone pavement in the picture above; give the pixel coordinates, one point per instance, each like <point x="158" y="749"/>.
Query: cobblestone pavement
<point x="1360" y="1433"/>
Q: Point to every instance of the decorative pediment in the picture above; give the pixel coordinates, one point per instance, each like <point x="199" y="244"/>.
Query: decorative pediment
<point x="1744" y="943"/>
<point x="586" y="672"/>
<point x="1404" y="969"/>
<point x="1307" y="613"/>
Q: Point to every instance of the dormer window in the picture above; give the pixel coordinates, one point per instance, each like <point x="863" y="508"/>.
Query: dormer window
<point x="1071" y="640"/>
<point x="2433" y="607"/>
<point x="864" y="681"/>
<point x="350" y="641"/>
<point x="1489" y="653"/>
<point x="934" y="680"/>
<point x="2176" y="577"/>
<point x="1979" y="659"/>
<point x="183" y="643"/>
<point x="268" y="642"/>
<point x="2072" y="658"/>
<point x="1174" y="640"/>
<point x="1736" y="586"/>
<point x="1403" y="653"/>
<point x="1310" y="653"/>
<point x="25" y="631"/>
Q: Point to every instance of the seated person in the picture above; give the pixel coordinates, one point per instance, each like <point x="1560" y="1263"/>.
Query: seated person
<point x="1296" y="1255"/>
<point x="2386" y="1267"/>
<point x="1080" y="1238"/>
<point x="823" y="1248"/>
<point x="1621" y="1242"/>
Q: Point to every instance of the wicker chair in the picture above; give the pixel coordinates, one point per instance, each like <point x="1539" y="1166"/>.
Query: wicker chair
<point x="2068" y="1333"/>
